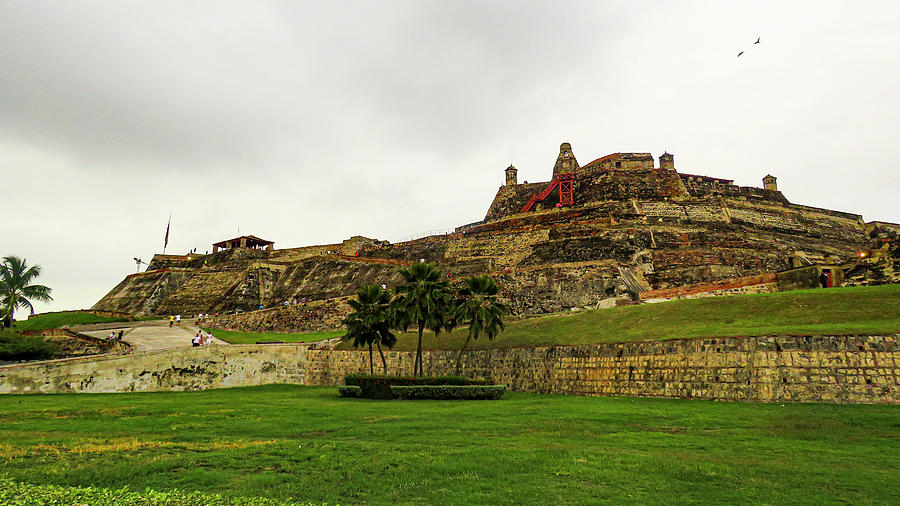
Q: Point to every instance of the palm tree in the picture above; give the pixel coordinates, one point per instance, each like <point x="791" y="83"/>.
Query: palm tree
<point x="370" y="322"/>
<point x="423" y="302"/>
<point x="16" y="289"/>
<point x="478" y="308"/>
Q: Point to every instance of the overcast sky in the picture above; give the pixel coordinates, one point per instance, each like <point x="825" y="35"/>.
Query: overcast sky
<point x="308" y="122"/>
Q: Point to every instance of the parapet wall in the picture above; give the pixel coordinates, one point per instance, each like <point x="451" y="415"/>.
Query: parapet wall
<point x="842" y="369"/>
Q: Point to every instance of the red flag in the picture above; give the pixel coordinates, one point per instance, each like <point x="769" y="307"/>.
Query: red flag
<point x="166" y="243"/>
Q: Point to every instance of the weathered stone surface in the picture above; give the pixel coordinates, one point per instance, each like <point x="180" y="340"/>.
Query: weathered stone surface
<point x="170" y="370"/>
<point x="309" y="317"/>
<point x="844" y="369"/>
<point x="669" y="229"/>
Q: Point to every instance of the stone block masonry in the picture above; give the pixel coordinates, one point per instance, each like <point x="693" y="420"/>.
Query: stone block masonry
<point x="836" y="369"/>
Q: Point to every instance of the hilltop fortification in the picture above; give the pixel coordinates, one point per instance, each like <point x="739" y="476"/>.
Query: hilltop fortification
<point x="619" y="228"/>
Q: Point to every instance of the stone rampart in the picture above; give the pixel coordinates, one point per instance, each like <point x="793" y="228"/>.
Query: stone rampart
<point x="168" y="370"/>
<point x="842" y="369"/>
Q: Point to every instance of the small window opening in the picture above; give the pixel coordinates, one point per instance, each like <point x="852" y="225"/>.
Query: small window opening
<point x="618" y="165"/>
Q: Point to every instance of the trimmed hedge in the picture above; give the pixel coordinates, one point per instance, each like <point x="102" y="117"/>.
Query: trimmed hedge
<point x="379" y="387"/>
<point x="349" y="391"/>
<point x="25" y="494"/>
<point x="447" y="392"/>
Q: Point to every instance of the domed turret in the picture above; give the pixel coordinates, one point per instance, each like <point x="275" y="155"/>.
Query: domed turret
<point x="511" y="176"/>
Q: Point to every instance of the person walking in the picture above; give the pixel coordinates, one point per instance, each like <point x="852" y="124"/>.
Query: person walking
<point x="171" y="320"/>
<point x="178" y="319"/>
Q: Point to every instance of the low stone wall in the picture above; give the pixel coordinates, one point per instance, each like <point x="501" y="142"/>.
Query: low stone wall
<point x="168" y="370"/>
<point x="844" y="369"/>
<point x="864" y="369"/>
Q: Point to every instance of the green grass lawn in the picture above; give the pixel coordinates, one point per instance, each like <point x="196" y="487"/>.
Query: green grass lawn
<point x="238" y="337"/>
<point x="837" y="311"/>
<point x="308" y="444"/>
<point x="55" y="320"/>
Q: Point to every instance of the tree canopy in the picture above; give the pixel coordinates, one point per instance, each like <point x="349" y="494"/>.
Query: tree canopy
<point x="16" y="286"/>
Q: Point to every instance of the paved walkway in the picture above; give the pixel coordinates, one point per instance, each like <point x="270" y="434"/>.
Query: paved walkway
<point x="149" y="335"/>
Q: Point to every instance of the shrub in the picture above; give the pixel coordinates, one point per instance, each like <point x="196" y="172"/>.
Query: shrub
<point x="14" y="346"/>
<point x="349" y="391"/>
<point x="447" y="392"/>
<point x="379" y="387"/>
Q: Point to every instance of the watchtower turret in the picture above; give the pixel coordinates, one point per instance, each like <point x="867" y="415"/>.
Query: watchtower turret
<point x="511" y="176"/>
<point x="566" y="161"/>
<point x="667" y="161"/>
<point x="770" y="182"/>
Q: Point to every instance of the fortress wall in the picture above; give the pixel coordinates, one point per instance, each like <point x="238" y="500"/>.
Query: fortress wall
<point x="297" y="254"/>
<point x="552" y="289"/>
<point x="849" y="369"/>
<point x="168" y="370"/>
<point x="330" y="277"/>
<point x="310" y="317"/>
<point x="204" y="292"/>
<point x="507" y="249"/>
<point x="863" y="369"/>
<point x="142" y="293"/>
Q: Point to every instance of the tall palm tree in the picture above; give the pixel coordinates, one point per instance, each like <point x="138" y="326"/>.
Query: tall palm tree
<point x="370" y="322"/>
<point x="16" y="290"/>
<point x="424" y="302"/>
<point x="478" y="308"/>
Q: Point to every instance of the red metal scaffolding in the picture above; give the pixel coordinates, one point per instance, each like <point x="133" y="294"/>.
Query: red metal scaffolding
<point x="566" y="184"/>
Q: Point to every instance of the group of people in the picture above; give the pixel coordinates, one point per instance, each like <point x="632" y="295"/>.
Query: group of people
<point x="175" y="319"/>
<point x="292" y="302"/>
<point x="201" y="338"/>
<point x="114" y="336"/>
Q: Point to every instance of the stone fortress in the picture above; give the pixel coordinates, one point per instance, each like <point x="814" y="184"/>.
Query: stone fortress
<point x="616" y="230"/>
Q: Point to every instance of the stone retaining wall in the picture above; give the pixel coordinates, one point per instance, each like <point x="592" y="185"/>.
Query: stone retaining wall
<point x="845" y="369"/>
<point x="168" y="370"/>
<point x="864" y="369"/>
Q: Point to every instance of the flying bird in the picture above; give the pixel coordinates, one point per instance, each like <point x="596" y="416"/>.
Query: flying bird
<point x="739" y="54"/>
<point x="757" y="40"/>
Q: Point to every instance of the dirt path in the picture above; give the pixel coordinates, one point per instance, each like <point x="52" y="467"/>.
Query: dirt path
<point x="149" y="335"/>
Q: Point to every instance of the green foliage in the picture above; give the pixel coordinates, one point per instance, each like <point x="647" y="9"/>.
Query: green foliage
<point x="477" y="307"/>
<point x="423" y="302"/>
<point x="240" y="337"/>
<point x="379" y="387"/>
<point x="863" y="310"/>
<point x="349" y="391"/>
<point x="15" y="347"/>
<point x="289" y="442"/>
<point x="449" y="392"/>
<point x="370" y="321"/>
<point x="16" y="290"/>
<point x="56" y="320"/>
<point x="25" y="494"/>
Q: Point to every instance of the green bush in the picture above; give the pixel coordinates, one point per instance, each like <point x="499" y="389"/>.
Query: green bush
<point x="379" y="387"/>
<point x="24" y="494"/>
<point x="447" y="392"/>
<point x="14" y="346"/>
<point x="349" y="391"/>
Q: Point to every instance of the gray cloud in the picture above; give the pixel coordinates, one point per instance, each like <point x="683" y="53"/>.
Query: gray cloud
<point x="308" y="122"/>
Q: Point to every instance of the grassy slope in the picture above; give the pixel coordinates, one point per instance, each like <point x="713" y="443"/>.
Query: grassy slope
<point x="306" y="443"/>
<point x="238" y="337"/>
<point x="52" y="321"/>
<point x="837" y="311"/>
